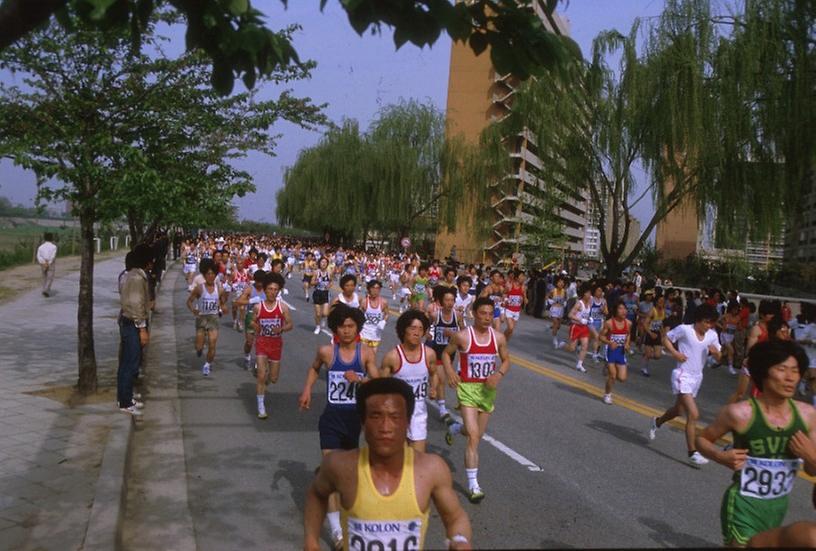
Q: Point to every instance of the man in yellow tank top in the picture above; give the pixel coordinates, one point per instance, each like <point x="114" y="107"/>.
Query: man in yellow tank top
<point x="386" y="488"/>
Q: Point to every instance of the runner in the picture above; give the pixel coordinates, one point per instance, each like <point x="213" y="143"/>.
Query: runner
<point x="239" y="282"/>
<point x="805" y="335"/>
<point x="771" y="435"/>
<point x="515" y="300"/>
<point x="463" y="300"/>
<point x="693" y="344"/>
<point x="495" y="292"/>
<point x="348" y="295"/>
<point x="616" y="334"/>
<point x="272" y="319"/>
<point x="309" y="268"/>
<point x="445" y="324"/>
<point x="598" y="312"/>
<point x="405" y="291"/>
<point x="414" y="363"/>
<point x="321" y="281"/>
<point x="654" y="329"/>
<point x="386" y="483"/>
<point x="419" y="288"/>
<point x="348" y="364"/>
<point x="728" y="326"/>
<point x="190" y="265"/>
<point x="644" y="311"/>
<point x="449" y="278"/>
<point x="630" y="299"/>
<point x="557" y="300"/>
<point x="251" y="296"/>
<point x="480" y="350"/>
<point x="375" y="310"/>
<point x="207" y="303"/>
<point x="579" y="330"/>
<point x="767" y="310"/>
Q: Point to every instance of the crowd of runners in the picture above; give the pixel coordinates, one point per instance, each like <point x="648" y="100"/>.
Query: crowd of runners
<point x="453" y="323"/>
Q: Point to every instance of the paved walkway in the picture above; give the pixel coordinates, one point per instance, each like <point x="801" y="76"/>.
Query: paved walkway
<point x="50" y="453"/>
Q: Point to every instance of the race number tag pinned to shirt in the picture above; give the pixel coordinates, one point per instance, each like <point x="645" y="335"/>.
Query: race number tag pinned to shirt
<point x="209" y="306"/>
<point x="384" y="535"/>
<point x="268" y="326"/>
<point x="341" y="391"/>
<point x="768" y="478"/>
<point x="481" y="366"/>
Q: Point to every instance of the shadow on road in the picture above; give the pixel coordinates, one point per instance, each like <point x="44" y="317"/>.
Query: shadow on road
<point x="664" y="535"/>
<point x="632" y="436"/>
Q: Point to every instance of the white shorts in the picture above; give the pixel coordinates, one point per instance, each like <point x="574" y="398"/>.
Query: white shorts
<point x="556" y="312"/>
<point x="418" y="429"/>
<point x="684" y="382"/>
<point x="509" y="314"/>
<point x="394" y="278"/>
<point x="291" y="260"/>
<point x="190" y="268"/>
<point x="405" y="292"/>
<point x="726" y="338"/>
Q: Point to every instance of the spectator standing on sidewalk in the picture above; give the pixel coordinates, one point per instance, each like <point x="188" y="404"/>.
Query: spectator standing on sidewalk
<point x="46" y="256"/>
<point x="135" y="299"/>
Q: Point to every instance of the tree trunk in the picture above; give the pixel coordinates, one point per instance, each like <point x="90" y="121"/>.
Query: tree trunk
<point x="613" y="265"/>
<point x="86" y="357"/>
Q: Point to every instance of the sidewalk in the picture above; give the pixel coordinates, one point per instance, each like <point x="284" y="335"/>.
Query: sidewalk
<point x="51" y="451"/>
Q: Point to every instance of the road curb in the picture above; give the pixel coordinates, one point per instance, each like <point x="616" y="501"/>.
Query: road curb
<point x="107" y="512"/>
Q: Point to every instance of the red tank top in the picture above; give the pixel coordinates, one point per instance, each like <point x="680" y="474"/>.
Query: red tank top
<point x="478" y="362"/>
<point x="515" y="298"/>
<point x="618" y="334"/>
<point x="269" y="320"/>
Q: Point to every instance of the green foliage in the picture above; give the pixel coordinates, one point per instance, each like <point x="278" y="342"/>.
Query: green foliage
<point x="234" y="37"/>
<point x="398" y="178"/>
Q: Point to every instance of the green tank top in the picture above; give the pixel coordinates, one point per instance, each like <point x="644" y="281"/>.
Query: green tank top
<point x="764" y="442"/>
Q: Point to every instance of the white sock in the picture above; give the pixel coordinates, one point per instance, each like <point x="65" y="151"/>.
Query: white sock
<point x="248" y="356"/>
<point x="455" y="428"/>
<point x="555" y="342"/>
<point x="471" y="476"/>
<point x="334" y="522"/>
<point x="442" y="409"/>
<point x="206" y="364"/>
<point x="260" y="398"/>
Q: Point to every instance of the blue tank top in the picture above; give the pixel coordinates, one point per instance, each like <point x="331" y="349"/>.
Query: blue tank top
<point x="341" y="394"/>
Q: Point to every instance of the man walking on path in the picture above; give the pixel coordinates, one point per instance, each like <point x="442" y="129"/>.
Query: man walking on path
<point x="46" y="255"/>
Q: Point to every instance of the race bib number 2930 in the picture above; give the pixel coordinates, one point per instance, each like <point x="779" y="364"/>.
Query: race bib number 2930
<point x="384" y="535"/>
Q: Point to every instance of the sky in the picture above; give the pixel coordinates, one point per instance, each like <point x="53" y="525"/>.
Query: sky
<point x="356" y="76"/>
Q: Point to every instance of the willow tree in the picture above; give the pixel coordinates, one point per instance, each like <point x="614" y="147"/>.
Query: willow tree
<point x="402" y="177"/>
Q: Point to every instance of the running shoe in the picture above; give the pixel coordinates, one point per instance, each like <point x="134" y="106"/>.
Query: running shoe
<point x="607" y="399"/>
<point x="317" y="330"/>
<point x="645" y="372"/>
<point x="247" y="363"/>
<point x="137" y="405"/>
<point x="133" y="410"/>
<point x="580" y="368"/>
<point x="447" y="419"/>
<point x="206" y="370"/>
<point x="448" y="438"/>
<point x="653" y="428"/>
<point x="697" y="459"/>
<point x="476" y="495"/>
<point x="732" y="371"/>
<point x="262" y="414"/>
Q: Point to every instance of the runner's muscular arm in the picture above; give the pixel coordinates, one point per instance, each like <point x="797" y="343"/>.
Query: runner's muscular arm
<point x="389" y="364"/>
<point x="727" y="420"/>
<point x="603" y="336"/>
<point x="453" y="517"/>
<point x="430" y="361"/>
<point x="195" y="294"/>
<point x="493" y="380"/>
<point x="450" y="350"/>
<point x="317" y="502"/>
<point x="573" y="314"/>
<point x="804" y="445"/>
<point x="305" y="399"/>
<point x="287" y="319"/>
<point x="370" y="363"/>
<point x="243" y="300"/>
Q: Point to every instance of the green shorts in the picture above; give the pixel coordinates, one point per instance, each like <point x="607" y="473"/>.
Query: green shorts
<point x="249" y="320"/>
<point x="476" y="395"/>
<point x="744" y="517"/>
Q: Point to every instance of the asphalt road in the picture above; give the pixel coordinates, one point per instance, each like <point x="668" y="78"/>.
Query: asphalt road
<point x="562" y="468"/>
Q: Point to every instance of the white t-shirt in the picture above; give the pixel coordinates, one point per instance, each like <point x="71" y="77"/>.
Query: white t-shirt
<point x="685" y="339"/>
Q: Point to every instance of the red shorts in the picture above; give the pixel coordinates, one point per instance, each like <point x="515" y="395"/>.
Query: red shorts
<point x="271" y="347"/>
<point x="578" y="332"/>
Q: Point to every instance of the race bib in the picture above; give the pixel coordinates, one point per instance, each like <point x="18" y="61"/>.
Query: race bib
<point x="439" y="335"/>
<point x="618" y="339"/>
<point x="768" y="478"/>
<point x="657" y="326"/>
<point x="341" y="391"/>
<point x="268" y="325"/>
<point x="514" y="300"/>
<point x="420" y="386"/>
<point x="481" y="366"/>
<point x="209" y="307"/>
<point x="384" y="535"/>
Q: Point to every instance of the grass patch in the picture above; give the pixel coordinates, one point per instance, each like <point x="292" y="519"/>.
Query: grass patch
<point x="6" y="293"/>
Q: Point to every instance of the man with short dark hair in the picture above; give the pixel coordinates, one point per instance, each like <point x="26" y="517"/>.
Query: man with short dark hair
<point x="46" y="255"/>
<point x="135" y="303"/>
<point x="385" y="483"/>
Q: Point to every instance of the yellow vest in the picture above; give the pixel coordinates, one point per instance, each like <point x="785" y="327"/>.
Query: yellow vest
<point x="394" y="521"/>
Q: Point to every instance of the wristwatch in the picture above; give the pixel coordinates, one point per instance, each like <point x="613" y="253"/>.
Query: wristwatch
<point x="458" y="538"/>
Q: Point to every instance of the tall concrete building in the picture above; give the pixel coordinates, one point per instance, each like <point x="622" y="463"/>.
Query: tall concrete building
<point x="477" y="97"/>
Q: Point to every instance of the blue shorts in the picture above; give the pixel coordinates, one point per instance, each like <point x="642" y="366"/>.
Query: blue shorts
<point x="617" y="356"/>
<point x="497" y="313"/>
<point x="596" y="325"/>
<point x="339" y="429"/>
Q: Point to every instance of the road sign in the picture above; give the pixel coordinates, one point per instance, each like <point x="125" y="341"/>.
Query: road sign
<point x="406" y="242"/>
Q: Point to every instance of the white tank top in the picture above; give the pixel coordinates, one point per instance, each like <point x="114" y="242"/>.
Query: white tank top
<point x="208" y="302"/>
<point x="354" y="302"/>
<point x="373" y="316"/>
<point x="416" y="375"/>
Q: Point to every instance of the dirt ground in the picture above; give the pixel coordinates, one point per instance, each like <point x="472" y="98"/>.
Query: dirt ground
<point x="21" y="279"/>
